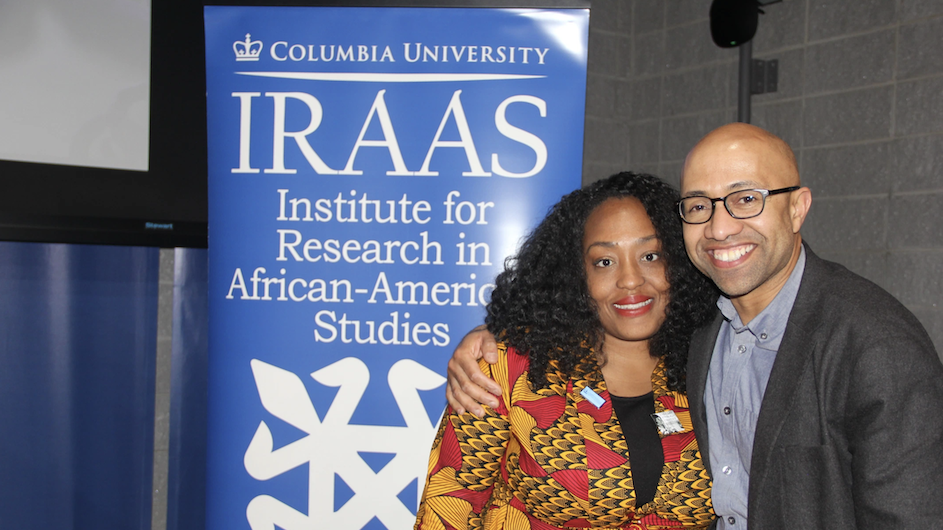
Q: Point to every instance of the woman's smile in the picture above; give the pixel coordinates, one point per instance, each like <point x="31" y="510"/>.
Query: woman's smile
<point x="633" y="306"/>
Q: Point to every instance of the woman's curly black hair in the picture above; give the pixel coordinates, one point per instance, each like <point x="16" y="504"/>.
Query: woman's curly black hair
<point x="541" y="303"/>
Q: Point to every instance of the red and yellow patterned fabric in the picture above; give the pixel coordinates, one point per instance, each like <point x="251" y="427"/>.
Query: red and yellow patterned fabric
<point x="549" y="460"/>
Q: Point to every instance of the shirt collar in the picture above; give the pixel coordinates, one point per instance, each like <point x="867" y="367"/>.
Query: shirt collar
<point x="770" y="324"/>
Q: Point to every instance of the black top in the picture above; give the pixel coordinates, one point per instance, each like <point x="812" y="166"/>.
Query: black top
<point x="646" y="457"/>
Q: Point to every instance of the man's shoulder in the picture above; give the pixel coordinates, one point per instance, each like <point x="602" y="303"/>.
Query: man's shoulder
<point x="832" y="296"/>
<point x="832" y="283"/>
<point x="835" y="283"/>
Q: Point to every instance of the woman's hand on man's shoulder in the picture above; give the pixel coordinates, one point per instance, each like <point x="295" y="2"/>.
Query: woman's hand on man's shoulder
<point x="468" y="387"/>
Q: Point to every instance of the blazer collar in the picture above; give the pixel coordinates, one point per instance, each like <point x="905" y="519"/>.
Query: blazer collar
<point x="794" y="352"/>
<point x="699" y="361"/>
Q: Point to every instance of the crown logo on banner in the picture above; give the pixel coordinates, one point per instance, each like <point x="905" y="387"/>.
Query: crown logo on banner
<point x="248" y="50"/>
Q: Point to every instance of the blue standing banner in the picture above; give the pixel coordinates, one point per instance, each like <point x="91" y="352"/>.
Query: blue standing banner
<point x="369" y="171"/>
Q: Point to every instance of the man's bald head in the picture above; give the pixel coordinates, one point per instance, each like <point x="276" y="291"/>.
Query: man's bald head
<point x="735" y="142"/>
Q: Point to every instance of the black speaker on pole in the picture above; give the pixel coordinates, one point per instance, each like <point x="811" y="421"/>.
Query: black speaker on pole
<point x="734" y="22"/>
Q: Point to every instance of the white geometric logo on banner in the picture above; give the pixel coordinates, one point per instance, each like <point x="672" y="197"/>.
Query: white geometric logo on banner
<point x="374" y="493"/>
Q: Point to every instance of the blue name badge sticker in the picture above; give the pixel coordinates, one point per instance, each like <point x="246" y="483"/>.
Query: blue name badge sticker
<point x="592" y="397"/>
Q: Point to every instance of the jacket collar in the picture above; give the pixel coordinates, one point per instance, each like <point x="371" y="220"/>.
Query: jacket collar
<point x="796" y="349"/>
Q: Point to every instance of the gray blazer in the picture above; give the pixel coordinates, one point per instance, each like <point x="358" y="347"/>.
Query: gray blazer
<point x="850" y="431"/>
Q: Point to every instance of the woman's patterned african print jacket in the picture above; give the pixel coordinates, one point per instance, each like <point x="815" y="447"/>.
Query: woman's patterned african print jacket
<point x="549" y="459"/>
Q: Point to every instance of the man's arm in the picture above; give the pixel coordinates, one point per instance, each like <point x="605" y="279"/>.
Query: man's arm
<point x="467" y="386"/>
<point x="896" y="431"/>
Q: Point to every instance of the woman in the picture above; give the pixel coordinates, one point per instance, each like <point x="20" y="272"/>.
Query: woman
<point x="594" y="315"/>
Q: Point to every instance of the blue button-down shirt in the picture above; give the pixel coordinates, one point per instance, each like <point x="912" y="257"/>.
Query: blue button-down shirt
<point x="736" y="381"/>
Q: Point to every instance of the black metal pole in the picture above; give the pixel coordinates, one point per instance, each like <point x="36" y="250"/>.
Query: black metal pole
<point x="746" y="60"/>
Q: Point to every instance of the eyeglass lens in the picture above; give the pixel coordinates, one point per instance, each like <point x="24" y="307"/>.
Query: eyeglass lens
<point x="740" y="204"/>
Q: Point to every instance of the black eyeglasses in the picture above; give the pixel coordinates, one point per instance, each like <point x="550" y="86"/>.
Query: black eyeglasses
<point x="742" y="204"/>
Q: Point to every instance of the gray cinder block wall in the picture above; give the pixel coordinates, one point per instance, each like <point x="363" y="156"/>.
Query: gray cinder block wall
<point x="860" y="100"/>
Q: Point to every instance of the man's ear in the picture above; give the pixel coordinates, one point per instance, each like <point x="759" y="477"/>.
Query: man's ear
<point x="799" y="207"/>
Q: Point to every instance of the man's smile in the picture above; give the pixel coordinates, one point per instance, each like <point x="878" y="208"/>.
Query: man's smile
<point x="731" y="254"/>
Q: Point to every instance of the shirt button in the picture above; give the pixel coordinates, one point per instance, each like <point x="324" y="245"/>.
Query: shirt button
<point x="726" y="470"/>
<point x="727" y="411"/>
<point x="732" y="520"/>
<point x="763" y="336"/>
<point x="742" y="349"/>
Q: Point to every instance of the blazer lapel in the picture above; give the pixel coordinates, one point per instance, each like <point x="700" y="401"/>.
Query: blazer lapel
<point x="699" y="361"/>
<point x="794" y="352"/>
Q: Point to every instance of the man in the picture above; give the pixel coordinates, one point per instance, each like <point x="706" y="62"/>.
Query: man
<point x="817" y="397"/>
